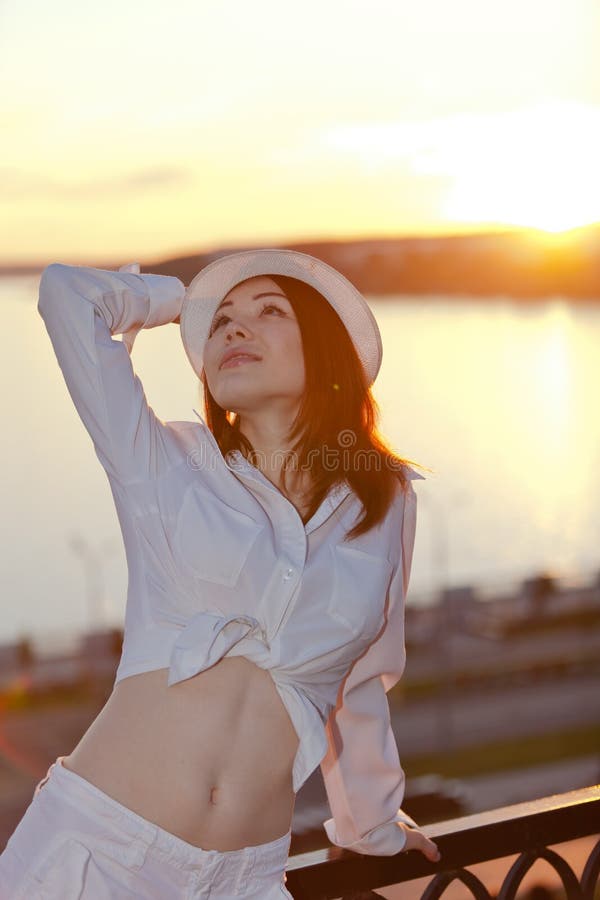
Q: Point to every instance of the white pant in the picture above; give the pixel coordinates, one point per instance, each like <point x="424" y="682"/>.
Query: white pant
<point x="75" y="842"/>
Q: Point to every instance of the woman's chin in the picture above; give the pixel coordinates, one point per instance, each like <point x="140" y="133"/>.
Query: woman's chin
<point x="240" y="401"/>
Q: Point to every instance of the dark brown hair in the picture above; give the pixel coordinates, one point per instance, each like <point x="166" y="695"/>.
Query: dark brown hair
<point x="334" y="434"/>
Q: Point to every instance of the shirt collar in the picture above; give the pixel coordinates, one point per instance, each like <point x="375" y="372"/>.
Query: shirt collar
<point x="412" y="473"/>
<point x="239" y="465"/>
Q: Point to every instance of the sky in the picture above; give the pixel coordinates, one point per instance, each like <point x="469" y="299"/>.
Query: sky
<point x="145" y="130"/>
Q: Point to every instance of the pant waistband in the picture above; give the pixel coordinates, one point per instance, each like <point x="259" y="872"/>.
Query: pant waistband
<point x="70" y="786"/>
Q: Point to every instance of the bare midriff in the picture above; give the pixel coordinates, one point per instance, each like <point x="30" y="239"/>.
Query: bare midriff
<point x="208" y="759"/>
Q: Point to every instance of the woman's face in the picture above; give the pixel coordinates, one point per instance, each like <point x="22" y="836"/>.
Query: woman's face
<point x="255" y="317"/>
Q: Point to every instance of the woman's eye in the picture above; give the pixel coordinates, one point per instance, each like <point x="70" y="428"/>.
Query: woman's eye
<point x="218" y="321"/>
<point x="271" y="306"/>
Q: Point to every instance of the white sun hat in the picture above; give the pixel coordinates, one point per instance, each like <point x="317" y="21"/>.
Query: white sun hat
<point x="214" y="281"/>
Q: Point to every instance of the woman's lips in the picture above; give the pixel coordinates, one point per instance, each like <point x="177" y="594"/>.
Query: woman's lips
<point x="238" y="360"/>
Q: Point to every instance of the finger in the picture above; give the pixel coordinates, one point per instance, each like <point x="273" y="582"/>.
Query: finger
<point x="416" y="840"/>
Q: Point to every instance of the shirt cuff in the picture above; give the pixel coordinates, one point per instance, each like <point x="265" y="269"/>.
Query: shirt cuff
<point x="383" y="840"/>
<point x="165" y="295"/>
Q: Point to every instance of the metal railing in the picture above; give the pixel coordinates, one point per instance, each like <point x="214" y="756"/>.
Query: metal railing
<point x="527" y="829"/>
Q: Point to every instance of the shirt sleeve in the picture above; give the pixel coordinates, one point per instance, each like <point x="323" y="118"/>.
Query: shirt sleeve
<point x="363" y="777"/>
<point x="82" y="308"/>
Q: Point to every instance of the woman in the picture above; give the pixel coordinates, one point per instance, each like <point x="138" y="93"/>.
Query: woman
<point x="264" y="617"/>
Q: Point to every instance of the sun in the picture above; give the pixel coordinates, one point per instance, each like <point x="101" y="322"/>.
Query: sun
<point x="536" y="168"/>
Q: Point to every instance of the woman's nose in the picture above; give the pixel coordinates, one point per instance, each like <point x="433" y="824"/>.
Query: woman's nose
<point x="235" y="328"/>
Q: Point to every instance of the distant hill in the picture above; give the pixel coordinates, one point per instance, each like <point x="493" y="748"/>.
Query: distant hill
<point x="511" y="263"/>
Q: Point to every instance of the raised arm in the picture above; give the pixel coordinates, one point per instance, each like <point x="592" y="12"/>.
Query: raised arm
<point x="363" y="776"/>
<point x="82" y="309"/>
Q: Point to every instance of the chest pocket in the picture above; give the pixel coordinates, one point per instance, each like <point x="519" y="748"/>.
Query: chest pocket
<point x="360" y="583"/>
<point x="212" y="539"/>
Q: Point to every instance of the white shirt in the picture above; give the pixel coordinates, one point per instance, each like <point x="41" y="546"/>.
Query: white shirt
<point x="221" y="564"/>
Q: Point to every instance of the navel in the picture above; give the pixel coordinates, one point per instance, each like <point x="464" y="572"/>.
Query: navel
<point x="214" y="792"/>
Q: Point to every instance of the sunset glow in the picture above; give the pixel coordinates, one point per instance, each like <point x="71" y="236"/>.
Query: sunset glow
<point x="537" y="167"/>
<point x="212" y="126"/>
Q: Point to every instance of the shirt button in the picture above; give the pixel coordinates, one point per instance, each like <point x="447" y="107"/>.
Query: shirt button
<point x="288" y="574"/>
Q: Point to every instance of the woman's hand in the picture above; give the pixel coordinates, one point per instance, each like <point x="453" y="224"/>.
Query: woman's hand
<point x="133" y="267"/>
<point x="416" y="840"/>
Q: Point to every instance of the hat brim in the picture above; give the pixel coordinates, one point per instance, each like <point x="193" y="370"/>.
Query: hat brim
<point x="214" y="281"/>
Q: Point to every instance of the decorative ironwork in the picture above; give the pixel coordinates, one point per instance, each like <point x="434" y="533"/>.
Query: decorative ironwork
<point x="522" y="865"/>
<point x="438" y="885"/>
<point x="527" y="829"/>
<point x="591" y="873"/>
